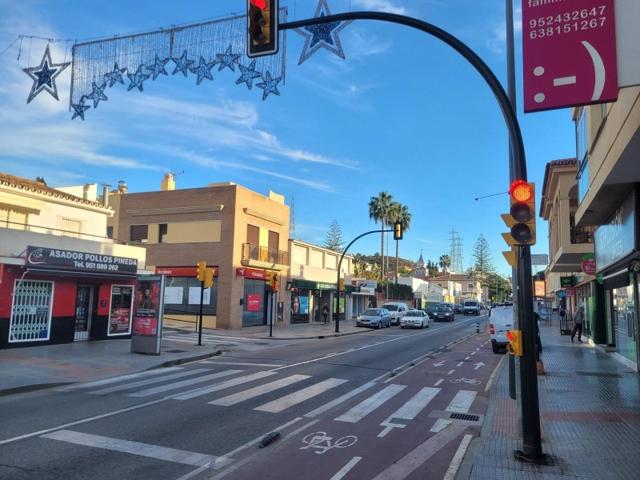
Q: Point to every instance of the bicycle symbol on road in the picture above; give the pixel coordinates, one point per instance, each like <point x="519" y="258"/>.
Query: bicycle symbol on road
<point x="322" y="443"/>
<point x="470" y="381"/>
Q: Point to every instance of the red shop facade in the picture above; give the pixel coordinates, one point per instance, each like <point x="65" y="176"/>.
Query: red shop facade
<point x="54" y="296"/>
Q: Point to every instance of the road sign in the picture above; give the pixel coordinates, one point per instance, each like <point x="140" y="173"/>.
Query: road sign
<point x="569" y="51"/>
<point x="539" y="259"/>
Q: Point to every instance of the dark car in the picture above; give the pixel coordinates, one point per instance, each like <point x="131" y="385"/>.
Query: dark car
<point x="444" y="314"/>
<point x="431" y="310"/>
<point x="457" y="308"/>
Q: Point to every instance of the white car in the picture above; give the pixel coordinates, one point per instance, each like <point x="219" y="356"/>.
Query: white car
<point x="500" y="321"/>
<point x="415" y="319"/>
<point x="397" y="311"/>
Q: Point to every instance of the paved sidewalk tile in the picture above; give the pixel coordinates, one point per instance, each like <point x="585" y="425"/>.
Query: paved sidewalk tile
<point x="590" y="419"/>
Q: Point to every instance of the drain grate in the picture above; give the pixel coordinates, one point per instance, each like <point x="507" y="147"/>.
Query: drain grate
<point x="464" y="416"/>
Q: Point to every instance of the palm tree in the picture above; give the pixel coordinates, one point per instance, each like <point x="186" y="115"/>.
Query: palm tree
<point x="445" y="262"/>
<point x="379" y="212"/>
<point x="400" y="213"/>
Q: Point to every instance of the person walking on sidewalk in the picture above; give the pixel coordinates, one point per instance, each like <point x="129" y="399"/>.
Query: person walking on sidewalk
<point x="578" y="319"/>
<point x="325" y="312"/>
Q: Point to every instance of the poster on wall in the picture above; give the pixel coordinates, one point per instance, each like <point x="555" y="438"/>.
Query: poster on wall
<point x="148" y="315"/>
<point x="194" y="296"/>
<point x="304" y="305"/>
<point x="253" y="302"/>
<point x="120" y="310"/>
<point x="173" y="295"/>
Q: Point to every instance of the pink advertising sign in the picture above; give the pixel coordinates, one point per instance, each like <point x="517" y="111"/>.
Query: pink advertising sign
<point x="569" y="50"/>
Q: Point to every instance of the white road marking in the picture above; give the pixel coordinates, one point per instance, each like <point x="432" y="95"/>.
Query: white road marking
<point x="300" y="396"/>
<point x="243" y="364"/>
<point x="340" y="400"/>
<point x="472" y="353"/>
<point x="460" y="364"/>
<point x="142" y="383"/>
<point x="439" y="364"/>
<point x="344" y="470"/>
<point x="137" y="448"/>
<point x="438" y="382"/>
<point x="457" y="458"/>
<point x="257" y="391"/>
<point x="492" y="378"/>
<point x="409" y="410"/>
<point x="221" y="386"/>
<point x="467" y="357"/>
<point x="450" y="371"/>
<point x="122" y="378"/>
<point x="462" y="401"/>
<point x="440" y="425"/>
<point x="478" y="365"/>
<point x="183" y="383"/>
<point x="367" y="406"/>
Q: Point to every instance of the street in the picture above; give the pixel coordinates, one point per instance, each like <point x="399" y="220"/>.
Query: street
<point x="373" y="405"/>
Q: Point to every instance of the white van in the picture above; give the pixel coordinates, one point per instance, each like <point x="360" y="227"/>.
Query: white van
<point x="500" y="321"/>
<point x="397" y="310"/>
<point x="471" y="307"/>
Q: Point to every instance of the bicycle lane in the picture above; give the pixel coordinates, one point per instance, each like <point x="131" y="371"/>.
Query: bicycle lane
<point x="400" y="428"/>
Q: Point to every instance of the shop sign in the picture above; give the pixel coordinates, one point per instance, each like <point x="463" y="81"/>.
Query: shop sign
<point x="69" y="260"/>
<point x="567" y="281"/>
<point x="539" y="288"/>
<point x="617" y="239"/>
<point x="569" y="53"/>
<point x="588" y="265"/>
<point x="561" y="293"/>
<point x="253" y="302"/>
<point x="120" y="310"/>
<point x="182" y="271"/>
<point x="539" y="259"/>
<point x="251" y="273"/>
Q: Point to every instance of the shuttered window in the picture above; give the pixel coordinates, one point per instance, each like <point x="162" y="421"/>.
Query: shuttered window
<point x="139" y="233"/>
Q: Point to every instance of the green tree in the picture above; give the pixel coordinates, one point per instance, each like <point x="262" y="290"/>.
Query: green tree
<point x="445" y="262"/>
<point x="399" y="213"/>
<point x="379" y="210"/>
<point x="483" y="263"/>
<point x="334" y="240"/>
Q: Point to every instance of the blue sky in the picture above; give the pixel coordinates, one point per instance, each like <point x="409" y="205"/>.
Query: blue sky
<point x="403" y="113"/>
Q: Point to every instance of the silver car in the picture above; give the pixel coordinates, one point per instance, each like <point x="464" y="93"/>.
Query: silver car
<point x="374" y="317"/>
<point x="415" y="319"/>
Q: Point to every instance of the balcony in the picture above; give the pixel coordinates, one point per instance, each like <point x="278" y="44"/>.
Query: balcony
<point x="580" y="235"/>
<point x="265" y="257"/>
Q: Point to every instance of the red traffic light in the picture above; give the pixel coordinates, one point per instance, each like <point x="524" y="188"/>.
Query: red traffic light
<point x="520" y="191"/>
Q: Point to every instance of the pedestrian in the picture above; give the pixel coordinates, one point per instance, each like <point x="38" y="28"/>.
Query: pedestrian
<point x="578" y="319"/>
<point x="325" y="312"/>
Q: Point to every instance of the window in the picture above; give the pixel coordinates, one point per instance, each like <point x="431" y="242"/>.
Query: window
<point x="162" y="232"/>
<point x="139" y="233"/>
<point x="582" y="136"/>
<point x="471" y="286"/>
<point x="253" y="235"/>
<point x="13" y="219"/>
<point x="69" y="226"/>
<point x="110" y="232"/>
<point x="31" y="311"/>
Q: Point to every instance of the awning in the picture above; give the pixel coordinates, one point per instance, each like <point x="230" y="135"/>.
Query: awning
<point x="617" y="280"/>
<point x="68" y="273"/>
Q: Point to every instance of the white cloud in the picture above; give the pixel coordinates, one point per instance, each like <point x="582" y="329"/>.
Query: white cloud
<point x="382" y="6"/>
<point x="496" y="43"/>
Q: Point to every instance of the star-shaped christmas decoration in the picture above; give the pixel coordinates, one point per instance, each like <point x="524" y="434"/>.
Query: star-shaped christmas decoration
<point x="114" y="76"/>
<point x="248" y="74"/>
<point x="44" y="76"/>
<point x="227" y="59"/>
<point x="79" y="109"/>
<point x="137" y="78"/>
<point x="322" y="36"/>
<point x="158" y="67"/>
<point x="269" y="85"/>
<point x="97" y="94"/>
<point x="203" y="70"/>
<point x="183" y="64"/>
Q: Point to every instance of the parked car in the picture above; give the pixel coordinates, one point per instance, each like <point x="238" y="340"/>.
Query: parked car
<point x="431" y="311"/>
<point x="444" y="314"/>
<point x="415" y="319"/>
<point x="457" y="308"/>
<point x="397" y="311"/>
<point x="471" y="307"/>
<point x="374" y="317"/>
<point x="500" y="321"/>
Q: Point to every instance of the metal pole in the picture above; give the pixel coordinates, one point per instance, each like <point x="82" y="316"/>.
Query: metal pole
<point x="271" y="314"/>
<point x="200" y="323"/>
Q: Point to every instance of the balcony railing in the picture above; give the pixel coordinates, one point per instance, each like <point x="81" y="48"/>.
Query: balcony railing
<point x="581" y="235"/>
<point x="264" y="254"/>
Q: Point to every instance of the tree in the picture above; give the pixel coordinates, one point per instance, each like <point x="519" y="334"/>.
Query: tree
<point x="334" y="240"/>
<point x="445" y="262"/>
<point x="399" y="213"/>
<point x="379" y="209"/>
<point x="483" y="264"/>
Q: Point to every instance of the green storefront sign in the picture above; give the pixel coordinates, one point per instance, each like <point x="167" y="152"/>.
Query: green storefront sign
<point x="567" y="281"/>
<point x="309" y="285"/>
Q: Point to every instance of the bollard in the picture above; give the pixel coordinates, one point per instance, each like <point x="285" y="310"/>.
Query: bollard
<point x="477" y="327"/>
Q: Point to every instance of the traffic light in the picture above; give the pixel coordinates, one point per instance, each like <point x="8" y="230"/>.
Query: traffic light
<point x="201" y="270"/>
<point x="515" y="342"/>
<point x="523" y="212"/>
<point x="397" y="231"/>
<point x="208" y="278"/>
<point x="262" y="27"/>
<point x="341" y="285"/>
<point x="274" y="282"/>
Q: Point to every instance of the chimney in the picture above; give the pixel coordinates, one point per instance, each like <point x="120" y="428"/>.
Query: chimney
<point x="85" y="191"/>
<point x="105" y="194"/>
<point x="168" y="182"/>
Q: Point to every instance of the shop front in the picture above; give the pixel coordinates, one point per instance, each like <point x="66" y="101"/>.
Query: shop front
<point x="259" y="302"/>
<point x="618" y="264"/>
<point x="59" y="296"/>
<point x="308" y="299"/>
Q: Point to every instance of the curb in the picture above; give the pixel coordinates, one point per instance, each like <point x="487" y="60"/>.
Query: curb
<point x="328" y="335"/>
<point x="31" y="388"/>
<point x="180" y="361"/>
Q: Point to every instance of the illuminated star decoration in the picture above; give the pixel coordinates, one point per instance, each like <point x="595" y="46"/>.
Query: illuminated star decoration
<point x="44" y="76"/>
<point x="137" y="78"/>
<point x="97" y="94"/>
<point x="114" y="76"/>
<point x="158" y="67"/>
<point x="227" y="59"/>
<point x="183" y="64"/>
<point x="79" y="109"/>
<point x="269" y="85"/>
<point x="322" y="36"/>
<point x="203" y="70"/>
<point x="248" y="74"/>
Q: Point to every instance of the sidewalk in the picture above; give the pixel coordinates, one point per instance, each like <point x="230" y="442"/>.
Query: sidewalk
<point x="590" y="416"/>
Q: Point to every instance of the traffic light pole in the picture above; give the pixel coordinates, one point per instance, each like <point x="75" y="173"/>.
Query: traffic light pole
<point x="200" y="323"/>
<point x="344" y="252"/>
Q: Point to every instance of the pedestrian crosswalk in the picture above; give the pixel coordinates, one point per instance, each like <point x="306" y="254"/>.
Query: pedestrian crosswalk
<point x="276" y="391"/>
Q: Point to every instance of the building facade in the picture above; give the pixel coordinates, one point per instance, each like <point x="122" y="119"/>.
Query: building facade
<point x="242" y="234"/>
<point x="61" y="279"/>
<point x="608" y="148"/>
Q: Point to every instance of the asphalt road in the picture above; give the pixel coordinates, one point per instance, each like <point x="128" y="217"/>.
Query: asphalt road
<point x="329" y="399"/>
